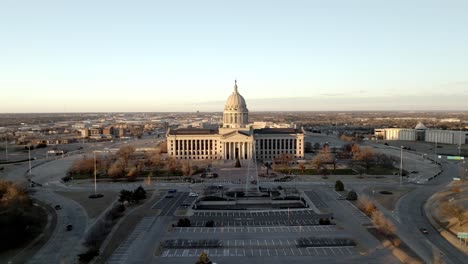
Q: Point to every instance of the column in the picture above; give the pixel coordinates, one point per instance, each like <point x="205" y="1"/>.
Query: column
<point x="182" y="146"/>
<point x="226" y="149"/>
<point x="203" y="147"/>
<point x="233" y="150"/>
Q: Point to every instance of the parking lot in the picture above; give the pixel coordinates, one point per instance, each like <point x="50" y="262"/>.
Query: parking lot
<point x="261" y="252"/>
<point x="121" y="253"/>
<point x="258" y="218"/>
<point x="256" y="229"/>
<point x="316" y="200"/>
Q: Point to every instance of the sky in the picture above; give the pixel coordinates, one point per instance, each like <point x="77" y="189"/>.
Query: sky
<point x="134" y="56"/>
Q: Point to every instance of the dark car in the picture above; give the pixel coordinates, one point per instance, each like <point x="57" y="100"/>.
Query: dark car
<point x="69" y="227"/>
<point x="58" y="207"/>
<point x="424" y="231"/>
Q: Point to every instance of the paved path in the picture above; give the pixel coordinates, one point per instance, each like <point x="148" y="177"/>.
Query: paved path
<point x="63" y="246"/>
<point x="412" y="217"/>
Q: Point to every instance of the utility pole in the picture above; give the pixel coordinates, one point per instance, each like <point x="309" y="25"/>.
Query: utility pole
<point x="6" y="147"/>
<point x="29" y="155"/>
<point x="95" y="183"/>
<point x="459" y="141"/>
<point x="401" y="164"/>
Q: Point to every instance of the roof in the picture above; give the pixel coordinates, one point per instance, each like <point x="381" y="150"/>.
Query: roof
<point x="277" y="131"/>
<point x="236" y="102"/>
<point x="420" y="126"/>
<point x="244" y="133"/>
<point x="193" y="131"/>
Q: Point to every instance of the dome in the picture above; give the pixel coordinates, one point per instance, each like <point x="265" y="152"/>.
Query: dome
<point x="236" y="102"/>
<point x="420" y="126"/>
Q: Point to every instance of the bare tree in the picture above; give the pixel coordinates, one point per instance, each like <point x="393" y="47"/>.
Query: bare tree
<point x="284" y="161"/>
<point x="187" y="169"/>
<point x="124" y="155"/>
<point x="172" y="165"/>
<point x="116" y="169"/>
<point x="163" y="147"/>
<point x="132" y="173"/>
<point x="82" y="166"/>
<point x="365" y="155"/>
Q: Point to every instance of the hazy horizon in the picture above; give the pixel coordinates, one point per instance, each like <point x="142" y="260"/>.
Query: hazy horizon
<point x="183" y="56"/>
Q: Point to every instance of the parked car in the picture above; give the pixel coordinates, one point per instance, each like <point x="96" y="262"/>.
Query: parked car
<point x="69" y="227"/>
<point x="193" y="194"/>
<point x="58" y="207"/>
<point x="424" y="231"/>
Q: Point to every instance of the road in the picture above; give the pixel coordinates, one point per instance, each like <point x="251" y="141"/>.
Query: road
<point x="410" y="213"/>
<point x="63" y="246"/>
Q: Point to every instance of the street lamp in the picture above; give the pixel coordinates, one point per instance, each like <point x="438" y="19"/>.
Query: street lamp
<point x="6" y="147"/>
<point x="95" y="173"/>
<point x="29" y="159"/>
<point x="401" y="164"/>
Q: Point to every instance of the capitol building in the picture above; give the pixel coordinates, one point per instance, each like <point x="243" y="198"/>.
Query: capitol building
<point x="235" y="139"/>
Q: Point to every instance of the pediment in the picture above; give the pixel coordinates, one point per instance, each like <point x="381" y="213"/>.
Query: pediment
<point x="236" y="135"/>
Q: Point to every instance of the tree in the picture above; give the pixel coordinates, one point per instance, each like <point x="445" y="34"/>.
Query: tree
<point x="365" y="155"/>
<point x="115" y="170"/>
<point x="302" y="167"/>
<point x="384" y="160"/>
<point x="187" y="169"/>
<point x="20" y="219"/>
<point x="172" y="165"/>
<point x="318" y="162"/>
<point x="138" y="194"/>
<point x="284" y="160"/>
<point x="82" y="166"/>
<point x="125" y="195"/>
<point x="154" y="159"/>
<point x="203" y="259"/>
<point x="132" y="173"/>
<point x="124" y="155"/>
<point x="352" y="196"/>
<point x="339" y="186"/>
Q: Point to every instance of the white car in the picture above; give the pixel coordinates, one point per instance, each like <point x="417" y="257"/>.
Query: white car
<point x="193" y="194"/>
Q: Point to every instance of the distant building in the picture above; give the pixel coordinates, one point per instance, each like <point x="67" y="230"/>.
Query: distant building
<point x="422" y="133"/>
<point x="236" y="139"/>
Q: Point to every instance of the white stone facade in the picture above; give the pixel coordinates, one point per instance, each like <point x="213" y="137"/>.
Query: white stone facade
<point x="236" y="139"/>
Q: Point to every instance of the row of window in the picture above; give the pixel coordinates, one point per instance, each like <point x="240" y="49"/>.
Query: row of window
<point x="278" y="143"/>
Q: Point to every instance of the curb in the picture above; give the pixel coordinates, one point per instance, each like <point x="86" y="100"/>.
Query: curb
<point x="448" y="235"/>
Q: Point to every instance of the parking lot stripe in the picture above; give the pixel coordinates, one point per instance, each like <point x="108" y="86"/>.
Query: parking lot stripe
<point x="300" y="251"/>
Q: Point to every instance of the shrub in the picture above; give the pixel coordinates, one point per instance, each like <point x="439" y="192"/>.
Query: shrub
<point x="339" y="186"/>
<point x="184" y="222"/>
<point x="125" y="195"/>
<point x="209" y="223"/>
<point x="88" y="255"/>
<point x="352" y="196"/>
<point x="366" y="206"/>
<point x="139" y="194"/>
